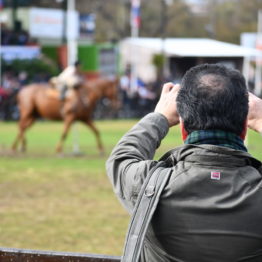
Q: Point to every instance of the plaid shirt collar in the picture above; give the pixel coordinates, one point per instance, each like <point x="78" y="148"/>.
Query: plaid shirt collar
<point x="216" y="137"/>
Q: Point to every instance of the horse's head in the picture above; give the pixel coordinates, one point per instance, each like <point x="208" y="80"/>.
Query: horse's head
<point x="110" y="91"/>
<point x="100" y="88"/>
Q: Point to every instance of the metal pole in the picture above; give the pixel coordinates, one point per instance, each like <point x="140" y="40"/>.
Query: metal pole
<point x="134" y="34"/>
<point x="71" y="40"/>
<point x="2" y="20"/>
<point x="133" y="76"/>
<point x="246" y="67"/>
<point x="164" y="18"/>
<point x="64" y="9"/>
<point x="71" y="58"/>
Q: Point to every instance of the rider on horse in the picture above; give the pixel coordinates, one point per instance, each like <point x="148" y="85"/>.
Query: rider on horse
<point x="69" y="79"/>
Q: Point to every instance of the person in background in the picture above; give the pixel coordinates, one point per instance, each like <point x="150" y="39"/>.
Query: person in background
<point x="146" y="97"/>
<point x="210" y="209"/>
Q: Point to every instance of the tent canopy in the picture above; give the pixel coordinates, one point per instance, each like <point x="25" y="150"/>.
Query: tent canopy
<point x="193" y="47"/>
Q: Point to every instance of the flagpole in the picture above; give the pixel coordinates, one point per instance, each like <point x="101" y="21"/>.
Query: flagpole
<point x="135" y="23"/>
<point x="134" y="31"/>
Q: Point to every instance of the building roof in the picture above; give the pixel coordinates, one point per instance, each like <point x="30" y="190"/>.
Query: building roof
<point x="193" y="47"/>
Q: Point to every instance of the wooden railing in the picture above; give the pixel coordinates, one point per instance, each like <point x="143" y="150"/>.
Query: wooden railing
<point x="25" y="255"/>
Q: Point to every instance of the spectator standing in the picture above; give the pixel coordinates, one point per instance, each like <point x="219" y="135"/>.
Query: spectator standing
<point x="210" y="207"/>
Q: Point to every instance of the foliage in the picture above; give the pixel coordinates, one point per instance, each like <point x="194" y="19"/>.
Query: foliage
<point x="158" y="61"/>
<point x="32" y="67"/>
<point x="219" y="19"/>
<point x="230" y="18"/>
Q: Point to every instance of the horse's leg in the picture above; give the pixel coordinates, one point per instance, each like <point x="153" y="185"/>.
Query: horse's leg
<point x="24" y="123"/>
<point x="97" y="135"/>
<point x="23" y="138"/>
<point x="67" y="124"/>
<point x="18" y="138"/>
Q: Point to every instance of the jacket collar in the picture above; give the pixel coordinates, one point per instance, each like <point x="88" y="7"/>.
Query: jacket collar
<point x="180" y="153"/>
<point x="216" y="137"/>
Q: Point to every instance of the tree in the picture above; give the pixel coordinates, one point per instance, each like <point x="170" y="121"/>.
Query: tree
<point x="232" y="17"/>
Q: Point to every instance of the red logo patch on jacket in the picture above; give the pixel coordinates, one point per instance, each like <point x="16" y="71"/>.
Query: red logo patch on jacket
<point x="215" y="175"/>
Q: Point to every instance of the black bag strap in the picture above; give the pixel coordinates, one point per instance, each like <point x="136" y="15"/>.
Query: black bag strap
<point x="143" y="212"/>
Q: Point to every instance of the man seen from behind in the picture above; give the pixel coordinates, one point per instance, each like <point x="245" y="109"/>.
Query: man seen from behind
<point x="210" y="209"/>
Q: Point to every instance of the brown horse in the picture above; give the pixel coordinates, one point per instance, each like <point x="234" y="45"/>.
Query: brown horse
<point x="41" y="100"/>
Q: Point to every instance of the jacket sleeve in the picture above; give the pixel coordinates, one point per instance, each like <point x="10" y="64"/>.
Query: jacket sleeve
<point x="132" y="158"/>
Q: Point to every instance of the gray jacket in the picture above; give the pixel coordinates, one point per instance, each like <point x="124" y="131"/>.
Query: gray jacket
<point x="210" y="209"/>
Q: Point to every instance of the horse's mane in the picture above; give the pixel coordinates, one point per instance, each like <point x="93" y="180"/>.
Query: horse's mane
<point x="100" y="83"/>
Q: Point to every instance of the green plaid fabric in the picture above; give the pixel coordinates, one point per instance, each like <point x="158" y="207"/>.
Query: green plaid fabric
<point x="216" y="137"/>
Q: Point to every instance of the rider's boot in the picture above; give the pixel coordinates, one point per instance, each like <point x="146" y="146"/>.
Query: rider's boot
<point x="63" y="93"/>
<point x="62" y="99"/>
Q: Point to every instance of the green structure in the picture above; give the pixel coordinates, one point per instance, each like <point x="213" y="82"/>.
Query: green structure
<point x="99" y="58"/>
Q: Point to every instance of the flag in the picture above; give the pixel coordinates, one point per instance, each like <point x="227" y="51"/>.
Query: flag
<point x="135" y="14"/>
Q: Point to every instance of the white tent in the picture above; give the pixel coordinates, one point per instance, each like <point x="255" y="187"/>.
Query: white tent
<point x="188" y="47"/>
<point x="139" y="52"/>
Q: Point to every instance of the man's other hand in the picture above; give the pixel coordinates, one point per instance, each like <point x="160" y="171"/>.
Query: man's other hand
<point x="167" y="103"/>
<point x="255" y="113"/>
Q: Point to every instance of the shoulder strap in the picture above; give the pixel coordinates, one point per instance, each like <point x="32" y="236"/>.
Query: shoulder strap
<point x="143" y="212"/>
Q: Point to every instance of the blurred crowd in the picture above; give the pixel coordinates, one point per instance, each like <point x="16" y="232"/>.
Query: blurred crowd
<point x="9" y="88"/>
<point x="10" y="85"/>
<point x="138" y="98"/>
<point x="11" y="81"/>
<point x="15" y="37"/>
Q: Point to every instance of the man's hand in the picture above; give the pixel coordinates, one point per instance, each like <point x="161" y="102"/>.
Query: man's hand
<point x="255" y="113"/>
<point x="167" y="103"/>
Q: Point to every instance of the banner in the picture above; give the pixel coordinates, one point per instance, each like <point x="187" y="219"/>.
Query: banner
<point x="9" y="53"/>
<point x="49" y="23"/>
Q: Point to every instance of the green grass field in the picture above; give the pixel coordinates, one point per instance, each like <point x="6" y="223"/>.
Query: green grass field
<point x="49" y="202"/>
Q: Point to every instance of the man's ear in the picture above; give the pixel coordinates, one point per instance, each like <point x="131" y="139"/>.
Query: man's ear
<point x="183" y="130"/>
<point x="244" y="131"/>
